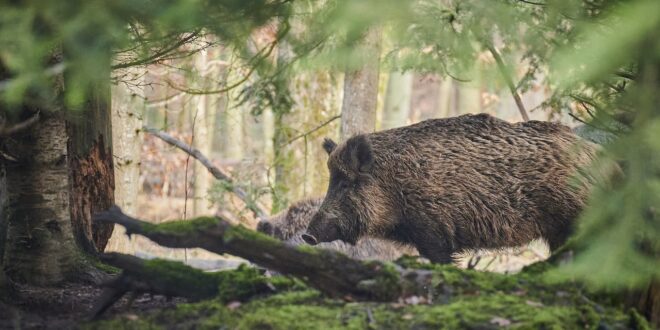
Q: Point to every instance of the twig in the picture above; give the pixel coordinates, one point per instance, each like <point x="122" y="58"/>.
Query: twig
<point x="509" y="81"/>
<point x="325" y="123"/>
<point x="474" y="260"/>
<point x="215" y="171"/>
<point x="5" y="131"/>
<point x="533" y="3"/>
<point x="157" y="55"/>
<point x="247" y="76"/>
<point x="627" y="75"/>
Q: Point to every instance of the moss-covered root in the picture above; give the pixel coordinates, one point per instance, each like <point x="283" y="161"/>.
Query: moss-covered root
<point x="462" y="299"/>
<point x="308" y="309"/>
<point x="173" y="278"/>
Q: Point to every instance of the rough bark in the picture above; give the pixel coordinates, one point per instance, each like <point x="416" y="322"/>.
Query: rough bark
<point x="358" y="111"/>
<point x="332" y="273"/>
<point x="91" y="169"/>
<point x="40" y="245"/>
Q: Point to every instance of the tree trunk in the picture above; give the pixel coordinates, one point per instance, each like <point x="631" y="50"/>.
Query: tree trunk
<point x="358" y="111"/>
<point x="397" y="100"/>
<point x="58" y="175"/>
<point x="40" y="246"/>
<point x="127" y="113"/>
<point x="91" y="174"/>
<point x="202" y="139"/>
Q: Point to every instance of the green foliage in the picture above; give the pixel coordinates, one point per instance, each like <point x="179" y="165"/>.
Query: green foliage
<point x="618" y="241"/>
<point x="42" y="38"/>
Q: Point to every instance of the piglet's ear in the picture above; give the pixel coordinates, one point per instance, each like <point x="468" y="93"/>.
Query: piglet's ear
<point x="360" y="154"/>
<point x="329" y="145"/>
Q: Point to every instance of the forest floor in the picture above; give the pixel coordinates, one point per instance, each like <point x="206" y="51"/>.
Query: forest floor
<point x="69" y="306"/>
<point x="461" y="299"/>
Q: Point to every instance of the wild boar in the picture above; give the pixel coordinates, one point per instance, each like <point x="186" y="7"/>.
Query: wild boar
<point x="290" y="224"/>
<point x="455" y="184"/>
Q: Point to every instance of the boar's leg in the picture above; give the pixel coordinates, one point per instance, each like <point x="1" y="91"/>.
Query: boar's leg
<point x="435" y="250"/>
<point x="435" y="254"/>
<point x="557" y="238"/>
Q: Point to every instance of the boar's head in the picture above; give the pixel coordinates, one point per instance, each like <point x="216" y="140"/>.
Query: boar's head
<point x="353" y="198"/>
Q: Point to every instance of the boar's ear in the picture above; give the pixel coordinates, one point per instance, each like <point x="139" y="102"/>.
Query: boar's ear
<point x="360" y="154"/>
<point x="329" y="145"/>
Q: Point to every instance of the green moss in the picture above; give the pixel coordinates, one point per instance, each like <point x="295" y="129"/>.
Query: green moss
<point x="638" y="321"/>
<point x="246" y="282"/>
<point x="308" y="249"/>
<point x="464" y="299"/>
<point x="182" y="227"/>
<point x="172" y="272"/>
<point x="248" y="234"/>
<point x="309" y="310"/>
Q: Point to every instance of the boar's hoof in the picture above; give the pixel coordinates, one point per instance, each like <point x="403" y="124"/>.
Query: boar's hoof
<point x="309" y="239"/>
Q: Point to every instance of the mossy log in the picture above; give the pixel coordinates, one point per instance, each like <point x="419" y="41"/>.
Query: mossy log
<point x="330" y="272"/>
<point x="172" y="278"/>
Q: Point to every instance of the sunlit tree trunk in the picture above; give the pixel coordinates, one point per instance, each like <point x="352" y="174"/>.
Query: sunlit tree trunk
<point x="397" y="99"/>
<point x="358" y="112"/>
<point x="202" y="139"/>
<point x="128" y="109"/>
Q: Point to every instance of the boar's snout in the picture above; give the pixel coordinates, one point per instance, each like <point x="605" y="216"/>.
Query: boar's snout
<point x="321" y="229"/>
<point x="309" y="239"/>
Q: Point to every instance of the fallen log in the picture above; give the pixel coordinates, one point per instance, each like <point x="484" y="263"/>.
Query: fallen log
<point x="174" y="279"/>
<point x="330" y="272"/>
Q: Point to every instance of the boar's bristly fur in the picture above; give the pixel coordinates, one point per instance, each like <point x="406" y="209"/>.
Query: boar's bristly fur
<point x="291" y="223"/>
<point x="456" y="184"/>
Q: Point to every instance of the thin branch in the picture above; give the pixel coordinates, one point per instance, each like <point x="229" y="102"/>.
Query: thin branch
<point x="625" y="74"/>
<point x="215" y="171"/>
<point x="533" y="3"/>
<point x="225" y="89"/>
<point x="6" y="131"/>
<point x="509" y="81"/>
<point x="325" y="123"/>
<point x="159" y="54"/>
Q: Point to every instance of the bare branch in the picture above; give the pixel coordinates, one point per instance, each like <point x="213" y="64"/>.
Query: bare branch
<point x="6" y="131"/>
<point x="268" y="50"/>
<point x="158" y="55"/>
<point x="509" y="81"/>
<point x="215" y="171"/>
<point x="325" y="123"/>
